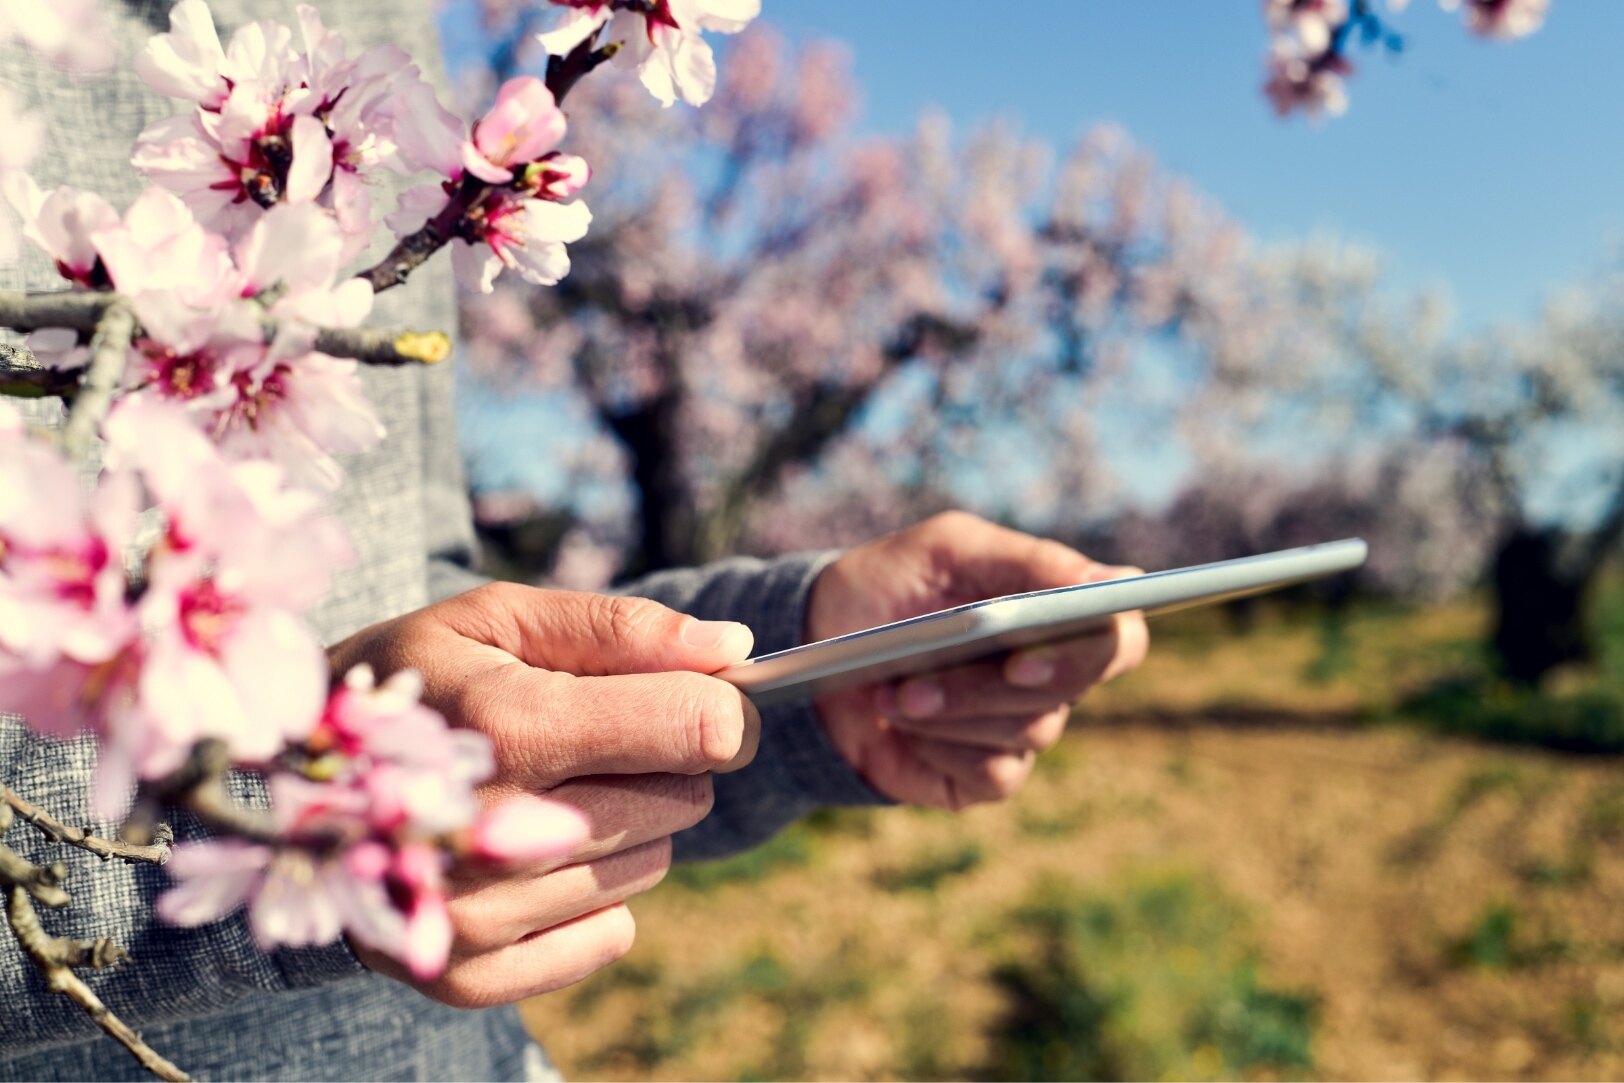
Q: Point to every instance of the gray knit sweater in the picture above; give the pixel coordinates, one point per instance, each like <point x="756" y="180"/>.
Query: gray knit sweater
<point x="207" y="998"/>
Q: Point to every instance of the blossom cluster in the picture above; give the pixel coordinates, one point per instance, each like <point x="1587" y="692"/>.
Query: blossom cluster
<point x="259" y="389"/>
<point x="372" y="792"/>
<point x="202" y="642"/>
<point x="159" y="611"/>
<point x="507" y="188"/>
<point x="381" y="800"/>
<point x="1309" y="39"/>
<point x="662" y="38"/>
<point x="272" y="124"/>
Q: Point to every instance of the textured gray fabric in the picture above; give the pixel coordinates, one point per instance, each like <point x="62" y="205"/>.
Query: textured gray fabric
<point x="206" y="997"/>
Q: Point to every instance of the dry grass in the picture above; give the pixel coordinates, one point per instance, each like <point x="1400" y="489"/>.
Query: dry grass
<point x="1450" y="907"/>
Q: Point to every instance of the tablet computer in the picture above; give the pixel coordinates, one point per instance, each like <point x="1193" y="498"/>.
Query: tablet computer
<point x="980" y="629"/>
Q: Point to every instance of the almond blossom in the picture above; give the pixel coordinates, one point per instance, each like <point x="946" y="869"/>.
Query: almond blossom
<point x="1505" y="19"/>
<point x="60" y="224"/>
<point x="72" y="33"/>
<point x="363" y="833"/>
<point x="1312" y="84"/>
<point x="25" y="133"/>
<point x="663" y="39"/>
<point x="524" y="225"/>
<point x="223" y="653"/>
<point x="202" y="343"/>
<point x="1313" y="22"/>
<point x="273" y="124"/>
<point x="65" y="621"/>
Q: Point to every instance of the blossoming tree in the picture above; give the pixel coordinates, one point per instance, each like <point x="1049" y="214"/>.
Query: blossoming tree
<point x="785" y="337"/>
<point x="207" y="346"/>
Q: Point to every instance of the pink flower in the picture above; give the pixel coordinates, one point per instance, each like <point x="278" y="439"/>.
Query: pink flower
<point x="523" y="125"/>
<point x="419" y="773"/>
<point x="72" y="33"/>
<point x="364" y="850"/>
<point x="61" y="574"/>
<point x="528" y="829"/>
<point x="526" y="236"/>
<point x="275" y="125"/>
<point x="1312" y="21"/>
<point x="672" y="58"/>
<point x="224" y="654"/>
<point x="1504" y="19"/>
<point x="160" y="247"/>
<point x="69" y="641"/>
<point x="294" y="897"/>
<point x="1313" y="85"/>
<point x="557" y="176"/>
<point x="60" y="223"/>
<point x="203" y="347"/>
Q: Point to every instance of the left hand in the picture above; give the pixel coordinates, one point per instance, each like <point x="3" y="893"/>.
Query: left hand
<point x="969" y="733"/>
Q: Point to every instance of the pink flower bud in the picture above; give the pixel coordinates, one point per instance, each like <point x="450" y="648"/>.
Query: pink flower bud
<point x="557" y="176"/>
<point x="528" y="829"/>
<point x="524" y="124"/>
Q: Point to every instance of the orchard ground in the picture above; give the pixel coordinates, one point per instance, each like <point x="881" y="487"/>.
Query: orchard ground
<point x="1271" y="853"/>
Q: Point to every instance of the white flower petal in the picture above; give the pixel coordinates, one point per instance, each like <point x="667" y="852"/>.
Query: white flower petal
<point x="312" y="160"/>
<point x="574" y="26"/>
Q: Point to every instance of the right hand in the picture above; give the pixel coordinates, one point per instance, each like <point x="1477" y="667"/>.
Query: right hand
<point x="603" y="703"/>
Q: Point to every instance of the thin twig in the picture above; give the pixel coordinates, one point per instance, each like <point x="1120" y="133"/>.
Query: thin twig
<point x="157" y="853"/>
<point x="56" y="956"/>
<point x="414" y="249"/>
<point x="23" y="377"/>
<point x="82" y="311"/>
<point x="42" y="882"/>
<point x="109" y="350"/>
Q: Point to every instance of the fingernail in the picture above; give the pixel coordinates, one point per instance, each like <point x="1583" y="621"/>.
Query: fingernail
<point x="1105" y="572"/>
<point x="708" y="635"/>
<point x="921" y="699"/>
<point x="1031" y="670"/>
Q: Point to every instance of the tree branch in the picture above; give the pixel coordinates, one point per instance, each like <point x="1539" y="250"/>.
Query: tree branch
<point x="199" y="784"/>
<point x="83" y="310"/>
<point x="157" y="853"/>
<point x="109" y="348"/>
<point x="56" y="956"/>
<point x="23" y="377"/>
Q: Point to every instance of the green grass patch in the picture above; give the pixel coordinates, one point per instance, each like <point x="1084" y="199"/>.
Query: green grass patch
<point x="1499" y="940"/>
<point x="789" y="849"/>
<point x="927" y="871"/>
<point x="1155" y="977"/>
<point x="1587" y="720"/>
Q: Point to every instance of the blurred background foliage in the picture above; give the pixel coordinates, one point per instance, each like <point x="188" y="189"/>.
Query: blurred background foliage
<point x="1368" y="829"/>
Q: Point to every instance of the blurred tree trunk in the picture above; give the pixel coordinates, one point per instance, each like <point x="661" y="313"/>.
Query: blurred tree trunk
<point x="1543" y="580"/>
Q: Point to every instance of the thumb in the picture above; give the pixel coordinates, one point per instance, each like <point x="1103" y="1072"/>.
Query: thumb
<point x="595" y="635"/>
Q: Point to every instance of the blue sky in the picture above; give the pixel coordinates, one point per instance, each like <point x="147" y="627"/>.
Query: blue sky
<point x="1495" y="168"/>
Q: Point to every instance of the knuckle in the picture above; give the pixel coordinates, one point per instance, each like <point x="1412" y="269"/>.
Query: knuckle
<point x="496" y="595"/>
<point x="625" y="620"/>
<point x="951" y="522"/>
<point x="712" y="722"/>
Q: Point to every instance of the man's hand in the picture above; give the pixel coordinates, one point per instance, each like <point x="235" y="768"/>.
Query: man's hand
<point x="602" y="703"/>
<point x="969" y="733"/>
